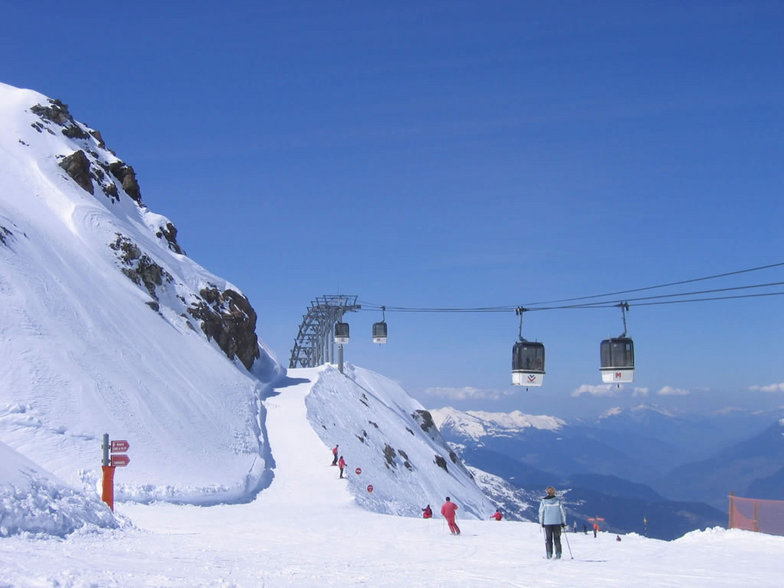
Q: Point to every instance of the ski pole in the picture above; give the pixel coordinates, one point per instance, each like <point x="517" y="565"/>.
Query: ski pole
<point x="566" y="536"/>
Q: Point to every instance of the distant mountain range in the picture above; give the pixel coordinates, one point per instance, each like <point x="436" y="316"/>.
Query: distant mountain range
<point x="643" y="470"/>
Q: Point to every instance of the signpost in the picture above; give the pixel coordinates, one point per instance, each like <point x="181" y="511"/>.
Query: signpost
<point x="112" y="458"/>
<point x="120" y="460"/>
<point x="595" y="521"/>
<point x="118" y="446"/>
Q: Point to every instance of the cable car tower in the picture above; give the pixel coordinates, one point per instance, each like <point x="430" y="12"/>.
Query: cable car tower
<point x="617" y="355"/>
<point x="527" y="359"/>
<point x="320" y="329"/>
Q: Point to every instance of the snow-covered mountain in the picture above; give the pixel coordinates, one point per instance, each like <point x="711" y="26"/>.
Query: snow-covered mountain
<point x="106" y="326"/>
<point x="377" y="425"/>
<point x="599" y="469"/>
<point x="476" y="424"/>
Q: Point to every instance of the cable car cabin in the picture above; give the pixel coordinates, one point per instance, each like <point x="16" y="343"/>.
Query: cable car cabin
<point x="380" y="332"/>
<point x="617" y="360"/>
<point x="341" y="333"/>
<point x="527" y="363"/>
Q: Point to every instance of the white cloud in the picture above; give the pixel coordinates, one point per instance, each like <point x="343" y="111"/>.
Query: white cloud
<point x="640" y="392"/>
<point x="467" y="393"/>
<point x="769" y="388"/>
<point x="670" y="391"/>
<point x="599" y="390"/>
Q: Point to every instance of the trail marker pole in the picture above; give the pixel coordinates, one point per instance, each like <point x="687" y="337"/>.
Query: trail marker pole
<point x="108" y="465"/>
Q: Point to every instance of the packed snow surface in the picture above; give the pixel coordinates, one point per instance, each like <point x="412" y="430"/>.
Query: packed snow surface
<point x="306" y="529"/>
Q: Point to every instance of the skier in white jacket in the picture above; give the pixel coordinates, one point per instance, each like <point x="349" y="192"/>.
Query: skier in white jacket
<point x="552" y="517"/>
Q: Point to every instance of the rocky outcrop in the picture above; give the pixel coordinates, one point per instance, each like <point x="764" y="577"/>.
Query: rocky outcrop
<point x="228" y="318"/>
<point x="95" y="164"/>
<point x="225" y="317"/>
<point x="139" y="267"/>
<point x="425" y="420"/>
<point x="77" y="166"/>
<point x="127" y="177"/>
<point x="5" y="234"/>
<point x="169" y="232"/>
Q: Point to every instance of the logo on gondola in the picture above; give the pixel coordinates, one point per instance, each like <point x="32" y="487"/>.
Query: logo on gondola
<point x="531" y="378"/>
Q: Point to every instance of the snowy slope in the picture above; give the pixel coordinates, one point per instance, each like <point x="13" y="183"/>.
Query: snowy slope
<point x="87" y="351"/>
<point x="305" y="530"/>
<point x="392" y="439"/>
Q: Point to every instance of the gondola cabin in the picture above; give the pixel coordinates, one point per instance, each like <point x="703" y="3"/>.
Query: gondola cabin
<point x="617" y="357"/>
<point x="380" y="332"/>
<point x="527" y="363"/>
<point x="341" y="333"/>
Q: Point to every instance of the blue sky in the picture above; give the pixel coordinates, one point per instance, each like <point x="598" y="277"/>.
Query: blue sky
<point x="457" y="154"/>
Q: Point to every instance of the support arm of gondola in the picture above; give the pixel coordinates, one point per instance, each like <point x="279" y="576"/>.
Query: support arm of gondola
<point x="624" y="307"/>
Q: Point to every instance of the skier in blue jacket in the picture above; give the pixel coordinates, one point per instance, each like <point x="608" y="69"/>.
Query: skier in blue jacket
<point x="552" y="518"/>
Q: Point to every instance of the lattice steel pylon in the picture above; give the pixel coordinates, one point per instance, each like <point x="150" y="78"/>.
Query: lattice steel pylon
<point x="314" y="344"/>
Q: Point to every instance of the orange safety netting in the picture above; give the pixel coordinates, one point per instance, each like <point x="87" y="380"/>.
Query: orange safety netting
<point x="754" y="514"/>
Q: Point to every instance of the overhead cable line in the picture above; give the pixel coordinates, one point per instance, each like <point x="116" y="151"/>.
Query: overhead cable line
<point x="641" y="301"/>
<point x="667" y="285"/>
<point x="660" y="297"/>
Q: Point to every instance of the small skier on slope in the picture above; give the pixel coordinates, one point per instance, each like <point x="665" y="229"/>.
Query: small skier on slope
<point x="427" y="512"/>
<point x="335" y="455"/>
<point x="497" y="515"/>
<point x="448" y="511"/>
<point x="341" y="465"/>
<point x="552" y="518"/>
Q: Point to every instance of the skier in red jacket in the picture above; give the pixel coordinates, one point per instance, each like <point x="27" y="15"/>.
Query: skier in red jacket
<point x="335" y="455"/>
<point x="427" y="512"/>
<point x="341" y="465"/>
<point x="448" y="511"/>
<point x="497" y="515"/>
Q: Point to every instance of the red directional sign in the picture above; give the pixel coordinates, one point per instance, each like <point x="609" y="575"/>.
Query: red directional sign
<point x="118" y="446"/>
<point x="370" y="487"/>
<point x="358" y="471"/>
<point x="120" y="460"/>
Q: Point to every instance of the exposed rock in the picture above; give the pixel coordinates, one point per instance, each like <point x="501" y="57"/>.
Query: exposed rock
<point x="127" y="177"/>
<point x="139" y="267"/>
<point x="77" y="166"/>
<point x="425" y="420"/>
<point x="4" y="234"/>
<point x="97" y="136"/>
<point x="169" y="232"/>
<point x="406" y="463"/>
<point x="441" y="462"/>
<point x="389" y="456"/>
<point x="57" y="112"/>
<point x="75" y="132"/>
<point x="229" y="319"/>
